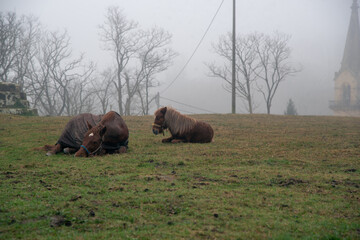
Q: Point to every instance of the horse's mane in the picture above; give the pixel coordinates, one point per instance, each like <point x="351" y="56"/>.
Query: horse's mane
<point x="177" y="123"/>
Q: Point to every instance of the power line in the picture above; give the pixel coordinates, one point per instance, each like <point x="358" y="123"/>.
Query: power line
<point x="187" y="105"/>
<point x="185" y="111"/>
<point x="197" y="47"/>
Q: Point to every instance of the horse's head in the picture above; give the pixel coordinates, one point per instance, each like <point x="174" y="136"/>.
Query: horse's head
<point x="159" y="123"/>
<point x="92" y="141"/>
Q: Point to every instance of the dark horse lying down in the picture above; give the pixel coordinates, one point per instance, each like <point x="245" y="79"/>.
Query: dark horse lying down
<point x="181" y="127"/>
<point x="109" y="135"/>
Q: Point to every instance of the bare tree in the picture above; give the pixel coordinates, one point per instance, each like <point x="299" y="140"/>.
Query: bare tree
<point x="260" y="59"/>
<point x="41" y="63"/>
<point x="104" y="93"/>
<point x="30" y="30"/>
<point x="10" y="32"/>
<point x="139" y="55"/>
<point x="121" y="38"/>
<point x="52" y="72"/>
<point x="17" y="46"/>
<point x="246" y="65"/>
<point x="155" y="56"/>
<point x="273" y="54"/>
<point x="132" y="82"/>
<point x="80" y="92"/>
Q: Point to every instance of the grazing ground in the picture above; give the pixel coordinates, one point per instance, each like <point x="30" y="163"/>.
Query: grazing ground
<point x="277" y="177"/>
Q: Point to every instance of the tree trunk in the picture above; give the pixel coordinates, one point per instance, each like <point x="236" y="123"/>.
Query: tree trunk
<point x="147" y="98"/>
<point x="119" y="92"/>
<point x="250" y="104"/>
<point x="268" y="106"/>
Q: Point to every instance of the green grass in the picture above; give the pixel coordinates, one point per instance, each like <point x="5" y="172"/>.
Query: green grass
<point x="263" y="177"/>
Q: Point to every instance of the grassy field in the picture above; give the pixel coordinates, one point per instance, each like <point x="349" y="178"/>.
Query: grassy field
<point x="263" y="177"/>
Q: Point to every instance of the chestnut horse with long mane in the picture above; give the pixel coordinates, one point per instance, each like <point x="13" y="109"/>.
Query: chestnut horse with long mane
<point x="182" y="128"/>
<point x="87" y="135"/>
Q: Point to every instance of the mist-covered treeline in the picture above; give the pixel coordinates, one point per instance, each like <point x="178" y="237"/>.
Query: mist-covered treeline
<point x="59" y="82"/>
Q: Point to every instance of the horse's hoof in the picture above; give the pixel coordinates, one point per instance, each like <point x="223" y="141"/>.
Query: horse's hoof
<point x="66" y="151"/>
<point x="48" y="154"/>
<point x="122" y="149"/>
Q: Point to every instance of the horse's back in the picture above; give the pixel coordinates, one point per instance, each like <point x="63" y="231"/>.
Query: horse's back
<point x="114" y="120"/>
<point x="116" y="128"/>
<point x="74" y="131"/>
<point x="202" y="133"/>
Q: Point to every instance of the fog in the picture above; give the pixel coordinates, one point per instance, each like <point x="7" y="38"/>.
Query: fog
<point x="318" y="31"/>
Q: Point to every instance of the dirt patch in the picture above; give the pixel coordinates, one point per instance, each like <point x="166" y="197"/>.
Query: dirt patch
<point x="58" y="220"/>
<point x="347" y="183"/>
<point x="166" y="178"/>
<point x="45" y="185"/>
<point x="115" y="189"/>
<point x="287" y="182"/>
<point x="75" y="198"/>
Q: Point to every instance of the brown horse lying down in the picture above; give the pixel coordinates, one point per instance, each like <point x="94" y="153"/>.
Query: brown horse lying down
<point x="181" y="127"/>
<point x="109" y="135"/>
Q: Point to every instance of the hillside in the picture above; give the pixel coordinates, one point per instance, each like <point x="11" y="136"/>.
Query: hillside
<point x="278" y="177"/>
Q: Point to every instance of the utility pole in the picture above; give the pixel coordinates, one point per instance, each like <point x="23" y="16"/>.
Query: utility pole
<point x="233" y="99"/>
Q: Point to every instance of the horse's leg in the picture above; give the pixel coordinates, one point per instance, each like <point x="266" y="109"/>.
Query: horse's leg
<point x="69" y="150"/>
<point x="167" y="140"/>
<point x="177" y="140"/>
<point x="122" y="149"/>
<point x="54" y="150"/>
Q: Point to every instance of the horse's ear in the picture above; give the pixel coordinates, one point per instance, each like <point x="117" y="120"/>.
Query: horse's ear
<point x="163" y="111"/>
<point x="102" y="131"/>
<point x="88" y="125"/>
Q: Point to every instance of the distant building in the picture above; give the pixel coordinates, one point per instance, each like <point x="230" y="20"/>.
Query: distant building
<point x="347" y="79"/>
<point x="13" y="100"/>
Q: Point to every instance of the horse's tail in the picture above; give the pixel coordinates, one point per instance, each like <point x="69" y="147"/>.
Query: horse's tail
<point x="40" y="149"/>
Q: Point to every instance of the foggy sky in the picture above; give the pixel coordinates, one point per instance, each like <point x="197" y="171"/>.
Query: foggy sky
<point x="318" y="29"/>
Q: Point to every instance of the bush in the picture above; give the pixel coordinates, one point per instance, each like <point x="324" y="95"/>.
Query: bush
<point x="290" y="109"/>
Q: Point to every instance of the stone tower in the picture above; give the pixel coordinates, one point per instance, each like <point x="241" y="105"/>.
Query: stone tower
<point x="347" y="79"/>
